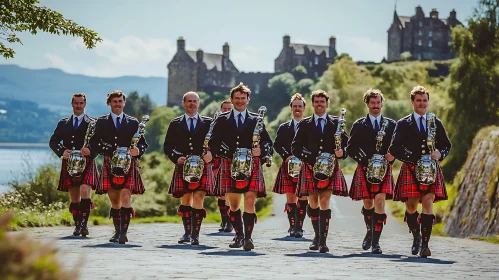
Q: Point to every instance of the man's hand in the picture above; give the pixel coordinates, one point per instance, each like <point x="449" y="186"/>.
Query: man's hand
<point x="66" y="154"/>
<point x="134" y="151"/>
<point x="256" y="152"/>
<point x="338" y="153"/>
<point x="207" y="157"/>
<point x="181" y="160"/>
<point x="436" y="155"/>
<point x="389" y="157"/>
<point x="85" y="151"/>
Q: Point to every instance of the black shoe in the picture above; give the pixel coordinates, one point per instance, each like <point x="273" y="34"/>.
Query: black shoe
<point x="228" y="227"/>
<point x="195" y="240"/>
<point x="222" y="227"/>
<point x="315" y="245"/>
<point x="248" y="245"/>
<point x="323" y="248"/>
<point x="291" y="232"/>
<point x="425" y="252"/>
<point x="186" y="238"/>
<point x="84" y="231"/>
<point x="416" y="245"/>
<point x="376" y="249"/>
<point x="115" y="237"/>
<point x="238" y="242"/>
<point x="299" y="233"/>
<point x="77" y="231"/>
<point x="123" y="239"/>
<point x="367" y="242"/>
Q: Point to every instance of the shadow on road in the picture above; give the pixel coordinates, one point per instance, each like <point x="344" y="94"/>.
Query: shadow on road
<point x="72" y="237"/>
<point x="112" y="245"/>
<point x="289" y="238"/>
<point x="220" y="234"/>
<point x="423" y="260"/>
<point x="186" y="247"/>
<point x="234" y="253"/>
<point x="330" y="255"/>
<point x="310" y="255"/>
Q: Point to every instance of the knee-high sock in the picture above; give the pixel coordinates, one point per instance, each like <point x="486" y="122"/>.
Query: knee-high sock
<point x="85" y="205"/>
<point x="290" y="208"/>
<point x="74" y="209"/>
<point x="116" y="216"/>
<point x="300" y="214"/>
<point x="325" y="216"/>
<point x="427" y="221"/>
<point x="185" y="212"/>
<point x="126" y="215"/>
<point x="378" y="221"/>
<point x="237" y="222"/>
<point x="197" y="218"/>
<point x="314" y="214"/>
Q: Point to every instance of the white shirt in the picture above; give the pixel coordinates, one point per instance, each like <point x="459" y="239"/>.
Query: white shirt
<point x="194" y="120"/>
<point x="114" y="116"/>
<point x="323" y="117"/>
<point x="237" y="113"/>
<point x="295" y="124"/>
<point x="80" y="118"/>
<point x="416" y="118"/>
<point x="375" y="118"/>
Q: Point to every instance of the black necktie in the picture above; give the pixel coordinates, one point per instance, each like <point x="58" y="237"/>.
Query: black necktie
<point x="422" y="129"/>
<point x="118" y="123"/>
<point x="75" y="126"/>
<point x="319" y="125"/>
<point x="376" y="125"/>
<point x="191" y="125"/>
<point x="239" y="121"/>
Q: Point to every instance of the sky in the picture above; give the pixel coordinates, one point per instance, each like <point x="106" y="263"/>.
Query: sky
<point x="139" y="37"/>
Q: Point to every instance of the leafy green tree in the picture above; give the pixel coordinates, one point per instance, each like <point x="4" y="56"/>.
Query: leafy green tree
<point x="26" y="16"/>
<point x="138" y="106"/>
<point x="405" y="56"/>
<point x="304" y="86"/>
<point x="299" y="72"/>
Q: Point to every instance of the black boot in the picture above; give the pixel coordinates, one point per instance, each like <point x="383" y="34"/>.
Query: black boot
<point x="290" y="208"/>
<point x="427" y="222"/>
<point x="237" y="223"/>
<point x="197" y="218"/>
<point x="228" y="225"/>
<point x="249" y="224"/>
<point x="378" y="221"/>
<point x="325" y="216"/>
<point x="314" y="214"/>
<point x="74" y="209"/>
<point x="300" y="217"/>
<point x="368" y="219"/>
<point x="223" y="214"/>
<point x="185" y="213"/>
<point x="115" y="215"/>
<point x="414" y="228"/>
<point x="126" y="215"/>
<point x="85" y="205"/>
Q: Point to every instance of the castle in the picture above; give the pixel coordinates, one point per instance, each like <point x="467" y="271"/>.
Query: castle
<point x="200" y="71"/>
<point x="426" y="38"/>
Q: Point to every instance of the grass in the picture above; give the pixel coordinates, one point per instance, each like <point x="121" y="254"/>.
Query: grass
<point x="493" y="239"/>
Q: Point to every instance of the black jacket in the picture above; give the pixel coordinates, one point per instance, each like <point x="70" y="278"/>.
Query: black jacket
<point x="71" y="139"/>
<point x="179" y="142"/>
<point x="362" y="142"/>
<point x="308" y="143"/>
<point x="408" y="144"/>
<point x="227" y="137"/>
<point x="107" y="138"/>
<point x="284" y="138"/>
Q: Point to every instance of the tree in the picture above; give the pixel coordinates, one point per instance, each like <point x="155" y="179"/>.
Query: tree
<point x="137" y="106"/>
<point x="299" y="72"/>
<point x="405" y="56"/>
<point x="474" y="83"/>
<point x="21" y="16"/>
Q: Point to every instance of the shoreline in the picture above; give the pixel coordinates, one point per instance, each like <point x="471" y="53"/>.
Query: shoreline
<point x="23" y="145"/>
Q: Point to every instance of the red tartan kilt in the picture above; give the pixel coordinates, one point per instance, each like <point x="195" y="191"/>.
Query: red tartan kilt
<point x="133" y="180"/>
<point x="359" y="190"/>
<point x="407" y="185"/>
<point x="225" y="181"/>
<point x="90" y="175"/>
<point x="215" y="165"/>
<point x="177" y="188"/>
<point x="307" y="185"/>
<point x="283" y="183"/>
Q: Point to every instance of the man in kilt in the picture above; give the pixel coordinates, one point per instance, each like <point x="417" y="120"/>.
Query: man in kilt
<point x="225" y="225"/>
<point x="409" y="143"/>
<point x="185" y="137"/>
<point x="284" y="184"/>
<point x="361" y="147"/>
<point x="113" y="131"/>
<point x="315" y="135"/>
<point x="71" y="132"/>
<point x="234" y="130"/>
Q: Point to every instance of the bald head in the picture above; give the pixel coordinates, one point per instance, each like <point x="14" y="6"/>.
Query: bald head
<point x="190" y="102"/>
<point x="190" y="95"/>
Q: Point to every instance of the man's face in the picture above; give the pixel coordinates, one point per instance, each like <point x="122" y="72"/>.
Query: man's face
<point x="191" y="103"/>
<point x="375" y="105"/>
<point x="420" y="103"/>
<point x="78" y="105"/>
<point x="226" y="107"/>
<point x="297" y="109"/>
<point x="320" y="105"/>
<point x="240" y="101"/>
<point x="117" y="104"/>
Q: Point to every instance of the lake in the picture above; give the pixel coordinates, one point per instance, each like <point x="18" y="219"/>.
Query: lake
<point x="14" y="162"/>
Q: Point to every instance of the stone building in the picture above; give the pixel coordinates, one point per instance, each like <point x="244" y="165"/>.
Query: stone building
<point x="426" y="38"/>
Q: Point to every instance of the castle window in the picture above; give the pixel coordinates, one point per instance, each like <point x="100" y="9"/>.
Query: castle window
<point x="316" y="75"/>
<point x="429" y="44"/>
<point x="310" y="64"/>
<point x="420" y="23"/>
<point x="419" y="43"/>
<point x="257" y="88"/>
<point x="419" y="56"/>
<point x="316" y="60"/>
<point x="420" y="33"/>
<point x="449" y="43"/>
<point x="430" y="33"/>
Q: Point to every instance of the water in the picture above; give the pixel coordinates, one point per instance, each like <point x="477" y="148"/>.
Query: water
<point x="16" y="161"/>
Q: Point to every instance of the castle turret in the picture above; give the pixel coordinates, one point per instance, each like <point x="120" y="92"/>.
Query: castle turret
<point x="180" y="44"/>
<point x="433" y="13"/>
<point x="199" y="56"/>
<point x="286" y="41"/>
<point x="225" y="49"/>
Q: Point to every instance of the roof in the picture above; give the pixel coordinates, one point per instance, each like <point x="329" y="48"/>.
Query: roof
<point x="211" y="60"/>
<point x="300" y="49"/>
<point x="403" y="20"/>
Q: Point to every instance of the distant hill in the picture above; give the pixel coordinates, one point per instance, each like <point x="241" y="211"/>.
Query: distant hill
<point x="52" y="88"/>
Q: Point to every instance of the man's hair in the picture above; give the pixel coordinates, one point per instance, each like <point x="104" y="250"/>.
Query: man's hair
<point x="373" y="92"/>
<point x="225" y="102"/>
<point x="185" y="95"/>
<point x="297" y="96"/>
<point x="113" y="94"/>
<point x="79" y="94"/>
<point x="319" y="93"/>
<point x="241" y="88"/>
<point x="419" y="90"/>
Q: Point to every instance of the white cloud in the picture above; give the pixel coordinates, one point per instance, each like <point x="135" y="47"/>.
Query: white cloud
<point x="361" y="48"/>
<point x="250" y="58"/>
<point x="58" y="62"/>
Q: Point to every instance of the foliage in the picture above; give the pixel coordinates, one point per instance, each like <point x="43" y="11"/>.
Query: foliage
<point x="156" y="128"/>
<point x="299" y="72"/>
<point x="304" y="87"/>
<point x="137" y="106"/>
<point x="406" y="56"/>
<point x="27" y="16"/>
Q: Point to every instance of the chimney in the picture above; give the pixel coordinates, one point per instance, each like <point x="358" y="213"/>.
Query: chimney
<point x="180" y="43"/>
<point x="452" y="14"/>
<point x="332" y="42"/>
<point x="419" y="12"/>
<point x="225" y="49"/>
<point x="433" y="13"/>
<point x="199" y="56"/>
<point x="286" y="41"/>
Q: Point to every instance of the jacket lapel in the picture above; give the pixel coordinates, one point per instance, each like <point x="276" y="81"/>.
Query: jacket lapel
<point x="199" y="123"/>
<point x="247" y="119"/>
<point x="414" y="126"/>
<point x="111" y="122"/>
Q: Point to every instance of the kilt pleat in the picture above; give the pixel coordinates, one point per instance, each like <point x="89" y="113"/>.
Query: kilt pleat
<point x="407" y="185"/>
<point x="225" y="181"/>
<point x="283" y="183"/>
<point x="177" y="186"/>
<point x="307" y="184"/>
<point x="359" y="187"/>
<point x="90" y="175"/>
<point x="133" y="180"/>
